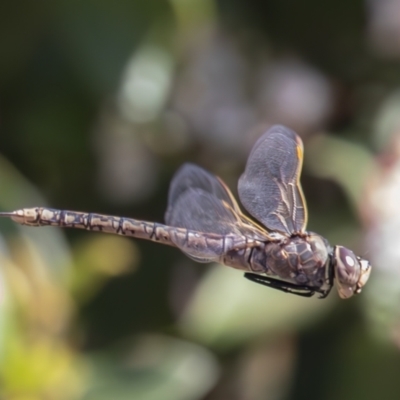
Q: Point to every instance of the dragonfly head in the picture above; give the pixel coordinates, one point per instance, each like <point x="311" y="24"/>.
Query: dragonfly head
<point x="351" y="272"/>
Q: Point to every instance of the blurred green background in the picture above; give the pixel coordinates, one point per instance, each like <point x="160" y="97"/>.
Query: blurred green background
<point x="100" y="102"/>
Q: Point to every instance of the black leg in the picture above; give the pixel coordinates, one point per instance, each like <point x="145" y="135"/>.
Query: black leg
<point x="325" y="292"/>
<point x="287" y="287"/>
<point x="328" y="283"/>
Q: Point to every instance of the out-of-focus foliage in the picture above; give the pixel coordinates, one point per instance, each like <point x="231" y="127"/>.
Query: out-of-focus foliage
<point x="100" y="102"/>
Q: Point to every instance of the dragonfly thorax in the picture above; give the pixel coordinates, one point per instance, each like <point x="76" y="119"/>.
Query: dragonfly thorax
<point x="301" y="259"/>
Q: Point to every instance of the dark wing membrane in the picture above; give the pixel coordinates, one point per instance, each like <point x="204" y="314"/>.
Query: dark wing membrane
<point x="190" y="176"/>
<point x="270" y="186"/>
<point x="197" y="200"/>
<point x="200" y="202"/>
<point x="200" y="211"/>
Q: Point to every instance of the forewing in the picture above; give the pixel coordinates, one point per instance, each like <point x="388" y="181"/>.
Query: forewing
<point x="270" y="186"/>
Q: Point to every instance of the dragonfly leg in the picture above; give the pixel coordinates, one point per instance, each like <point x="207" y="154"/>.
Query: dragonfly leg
<point x="287" y="287"/>
<point x="324" y="292"/>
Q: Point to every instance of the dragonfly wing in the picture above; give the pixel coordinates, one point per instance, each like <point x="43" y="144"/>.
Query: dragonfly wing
<point x="196" y="194"/>
<point x="270" y="186"/>
<point x="190" y="176"/>
<point x="201" y="202"/>
<point x="198" y="210"/>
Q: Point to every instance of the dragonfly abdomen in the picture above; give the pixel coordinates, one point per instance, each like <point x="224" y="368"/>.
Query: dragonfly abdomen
<point x="202" y="247"/>
<point x="42" y="216"/>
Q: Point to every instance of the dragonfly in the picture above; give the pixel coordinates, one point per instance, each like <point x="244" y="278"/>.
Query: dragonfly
<point x="205" y="222"/>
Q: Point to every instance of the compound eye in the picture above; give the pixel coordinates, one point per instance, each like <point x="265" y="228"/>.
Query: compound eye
<point x="347" y="271"/>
